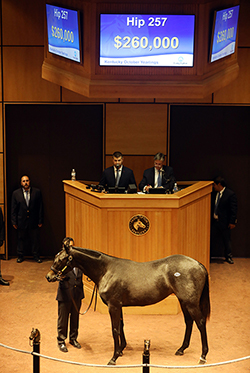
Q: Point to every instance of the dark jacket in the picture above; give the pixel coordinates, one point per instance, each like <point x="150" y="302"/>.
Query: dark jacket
<point x="227" y="208"/>
<point x="22" y="215"/>
<point x="71" y="286"/>
<point x="108" y="177"/>
<point x="168" y="178"/>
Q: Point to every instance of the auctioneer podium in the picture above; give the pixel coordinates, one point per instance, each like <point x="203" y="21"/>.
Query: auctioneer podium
<point x="140" y="227"/>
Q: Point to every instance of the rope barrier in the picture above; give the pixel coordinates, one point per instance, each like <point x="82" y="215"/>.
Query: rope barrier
<point x="127" y="366"/>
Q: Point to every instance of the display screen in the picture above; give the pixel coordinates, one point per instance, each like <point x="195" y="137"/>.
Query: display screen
<point x="146" y="40"/>
<point x="224" y="33"/>
<point x="63" y="32"/>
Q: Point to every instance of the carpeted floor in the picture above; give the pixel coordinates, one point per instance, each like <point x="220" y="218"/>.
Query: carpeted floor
<point x="29" y="302"/>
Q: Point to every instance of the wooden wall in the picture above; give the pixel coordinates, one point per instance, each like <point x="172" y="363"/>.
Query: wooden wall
<point x="138" y="127"/>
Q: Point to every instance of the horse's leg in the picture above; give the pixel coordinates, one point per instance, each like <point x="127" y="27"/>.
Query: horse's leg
<point x="201" y="324"/>
<point x="188" y="332"/>
<point x="115" y="313"/>
<point x="190" y="314"/>
<point x="123" y="343"/>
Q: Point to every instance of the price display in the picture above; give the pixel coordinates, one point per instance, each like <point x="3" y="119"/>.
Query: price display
<point x="225" y="31"/>
<point x="146" y="40"/>
<point x="63" y="32"/>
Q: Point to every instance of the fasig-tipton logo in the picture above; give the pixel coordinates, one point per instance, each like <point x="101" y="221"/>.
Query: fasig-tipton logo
<point x="139" y="225"/>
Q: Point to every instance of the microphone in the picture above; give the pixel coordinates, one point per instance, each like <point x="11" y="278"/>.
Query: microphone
<point x="117" y="166"/>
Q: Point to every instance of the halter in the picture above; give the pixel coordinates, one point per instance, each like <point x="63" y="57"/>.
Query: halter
<point x="59" y="273"/>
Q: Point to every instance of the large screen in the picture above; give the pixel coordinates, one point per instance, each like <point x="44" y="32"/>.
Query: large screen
<point x="63" y="32"/>
<point x="224" y="33"/>
<point x="146" y="40"/>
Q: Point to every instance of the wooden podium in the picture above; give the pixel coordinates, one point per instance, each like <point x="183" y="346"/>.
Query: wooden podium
<point x="141" y="227"/>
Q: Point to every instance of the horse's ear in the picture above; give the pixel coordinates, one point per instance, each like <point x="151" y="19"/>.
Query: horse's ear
<point x="67" y="243"/>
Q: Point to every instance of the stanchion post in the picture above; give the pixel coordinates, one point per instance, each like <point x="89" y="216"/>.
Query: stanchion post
<point x="146" y="356"/>
<point x="35" y="342"/>
<point x="36" y="359"/>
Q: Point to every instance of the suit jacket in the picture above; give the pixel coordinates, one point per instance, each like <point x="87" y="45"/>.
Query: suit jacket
<point x="108" y="177"/>
<point x="71" y="286"/>
<point x="22" y="215"/>
<point x="227" y="208"/>
<point x="168" y="178"/>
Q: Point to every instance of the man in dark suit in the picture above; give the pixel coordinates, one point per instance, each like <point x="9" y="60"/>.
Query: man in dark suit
<point x="117" y="175"/>
<point x="69" y="296"/>
<point x="158" y="176"/>
<point x="27" y="218"/>
<point x="224" y="217"/>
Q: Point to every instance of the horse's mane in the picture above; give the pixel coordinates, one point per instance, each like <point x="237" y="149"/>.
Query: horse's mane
<point x="95" y="254"/>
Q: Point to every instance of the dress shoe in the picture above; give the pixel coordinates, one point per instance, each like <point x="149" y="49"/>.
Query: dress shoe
<point x="62" y="347"/>
<point x="74" y="343"/>
<point x="20" y="259"/>
<point x="38" y="260"/>
<point x="229" y="260"/>
<point x="3" y="282"/>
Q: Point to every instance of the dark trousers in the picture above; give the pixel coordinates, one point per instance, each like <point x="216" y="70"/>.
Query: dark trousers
<point x="28" y="238"/>
<point x="220" y="235"/>
<point x="68" y="310"/>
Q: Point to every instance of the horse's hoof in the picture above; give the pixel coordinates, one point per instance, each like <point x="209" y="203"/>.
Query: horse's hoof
<point x="202" y="361"/>
<point x="179" y="353"/>
<point x="111" y="362"/>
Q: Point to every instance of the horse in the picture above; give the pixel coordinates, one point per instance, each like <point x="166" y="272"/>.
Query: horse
<point x="123" y="283"/>
<point x="138" y="224"/>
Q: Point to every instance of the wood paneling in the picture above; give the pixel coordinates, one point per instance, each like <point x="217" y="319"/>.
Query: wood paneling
<point x="136" y="129"/>
<point x="23" y="22"/>
<point x="207" y="100"/>
<point x="244" y="40"/>
<point x="137" y="100"/>
<point x="237" y="92"/>
<point x="70" y="96"/>
<point x="1" y="179"/>
<point x="1" y="129"/>
<point x="22" y="76"/>
<point x="1" y="93"/>
<point x="178" y="224"/>
<point x="2" y="248"/>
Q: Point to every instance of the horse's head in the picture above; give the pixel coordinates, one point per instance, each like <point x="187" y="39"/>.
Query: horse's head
<point x="62" y="263"/>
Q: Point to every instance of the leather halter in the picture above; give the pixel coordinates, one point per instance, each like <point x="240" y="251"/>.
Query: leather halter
<point x="59" y="273"/>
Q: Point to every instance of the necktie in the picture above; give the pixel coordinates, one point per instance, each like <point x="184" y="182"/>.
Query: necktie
<point x="117" y="178"/>
<point x="159" y="179"/>
<point x="217" y="204"/>
<point x="27" y="198"/>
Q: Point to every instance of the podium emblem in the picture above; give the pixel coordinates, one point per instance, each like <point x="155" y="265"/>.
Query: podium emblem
<point x="139" y="225"/>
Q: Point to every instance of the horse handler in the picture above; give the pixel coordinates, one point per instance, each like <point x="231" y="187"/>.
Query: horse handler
<point x="69" y="296"/>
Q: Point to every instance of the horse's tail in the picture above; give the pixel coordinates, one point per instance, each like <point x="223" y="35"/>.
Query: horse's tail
<point x="205" y="299"/>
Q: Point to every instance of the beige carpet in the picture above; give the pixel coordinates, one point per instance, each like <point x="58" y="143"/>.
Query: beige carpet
<point x="29" y="302"/>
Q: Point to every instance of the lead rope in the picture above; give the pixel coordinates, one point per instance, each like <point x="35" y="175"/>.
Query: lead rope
<point x="91" y="300"/>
